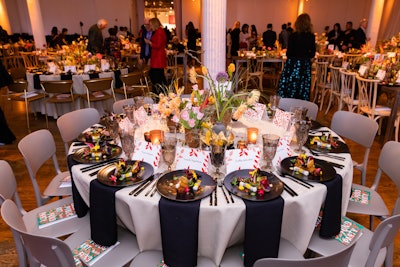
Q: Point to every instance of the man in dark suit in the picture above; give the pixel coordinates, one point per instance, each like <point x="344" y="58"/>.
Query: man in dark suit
<point x="269" y="37"/>
<point x="145" y="48"/>
<point x="95" y="37"/>
<point x="360" y="37"/>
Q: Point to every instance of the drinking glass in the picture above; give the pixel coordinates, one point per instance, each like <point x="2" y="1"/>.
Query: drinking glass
<point x="302" y="127"/>
<point x="217" y="159"/>
<point x="130" y="113"/>
<point x="168" y="148"/>
<point x="127" y="142"/>
<point x="300" y="113"/>
<point x="274" y="101"/>
<point x="270" y="144"/>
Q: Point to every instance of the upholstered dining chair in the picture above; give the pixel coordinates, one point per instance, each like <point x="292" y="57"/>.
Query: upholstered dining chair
<point x="372" y="248"/>
<point x="286" y="103"/>
<point x="59" y="92"/>
<point x="339" y="259"/>
<point x="8" y="190"/>
<point x="98" y="90"/>
<point x="37" y="148"/>
<point x="18" y="91"/>
<point x="361" y="130"/>
<point x="51" y="251"/>
<point x="133" y="85"/>
<point x="73" y="123"/>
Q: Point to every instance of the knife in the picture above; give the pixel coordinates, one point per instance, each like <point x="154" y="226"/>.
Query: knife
<point x="146" y="184"/>
<point x="139" y="187"/>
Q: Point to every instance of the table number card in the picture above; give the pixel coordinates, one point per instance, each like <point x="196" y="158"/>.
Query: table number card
<point x="256" y="112"/>
<point x="238" y="159"/>
<point x="362" y="70"/>
<point x="398" y="77"/>
<point x="147" y="152"/>
<point x="52" y="67"/>
<point x="88" y="68"/>
<point x="191" y="158"/>
<point x="105" y="65"/>
<point x="71" y="69"/>
<point x="345" y="64"/>
<point x="380" y="75"/>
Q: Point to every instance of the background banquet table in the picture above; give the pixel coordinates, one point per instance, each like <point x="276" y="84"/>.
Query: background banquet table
<point x="223" y="225"/>
<point x="78" y="88"/>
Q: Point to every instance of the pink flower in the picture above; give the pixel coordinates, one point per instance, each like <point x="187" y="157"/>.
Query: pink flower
<point x="113" y="178"/>
<point x="191" y="122"/>
<point x="99" y="56"/>
<point x="200" y="115"/>
<point x="185" y="115"/>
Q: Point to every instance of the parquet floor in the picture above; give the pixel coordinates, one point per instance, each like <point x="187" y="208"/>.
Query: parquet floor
<point x="15" y="115"/>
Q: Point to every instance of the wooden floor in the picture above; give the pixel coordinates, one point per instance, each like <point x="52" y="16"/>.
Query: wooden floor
<point x="15" y="115"/>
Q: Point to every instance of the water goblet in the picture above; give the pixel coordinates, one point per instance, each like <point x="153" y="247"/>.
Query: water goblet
<point x="274" y="103"/>
<point x="129" y="111"/>
<point x="168" y="149"/>
<point x="302" y="127"/>
<point x="270" y="144"/>
<point x="217" y="159"/>
<point x="127" y="142"/>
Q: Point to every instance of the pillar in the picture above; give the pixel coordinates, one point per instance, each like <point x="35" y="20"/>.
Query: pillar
<point x="213" y="36"/>
<point x="374" y="20"/>
<point x="4" y="21"/>
<point x="35" y="16"/>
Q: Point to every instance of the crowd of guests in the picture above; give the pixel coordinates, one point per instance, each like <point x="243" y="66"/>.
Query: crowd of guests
<point x="349" y="37"/>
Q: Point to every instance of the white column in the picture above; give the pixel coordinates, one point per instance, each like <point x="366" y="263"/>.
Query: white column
<point x="4" y="21"/>
<point x="35" y="16"/>
<point x="374" y="20"/>
<point x="213" y="35"/>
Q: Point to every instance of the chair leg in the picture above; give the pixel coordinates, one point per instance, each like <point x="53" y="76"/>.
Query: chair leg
<point x="322" y="99"/>
<point x="396" y="129"/>
<point x="330" y="102"/>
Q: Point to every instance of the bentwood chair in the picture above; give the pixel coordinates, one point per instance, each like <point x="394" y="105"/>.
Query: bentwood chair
<point x="388" y="163"/>
<point x="322" y="85"/>
<point x="59" y="93"/>
<point x="50" y="251"/>
<point x="335" y="88"/>
<point x="347" y="90"/>
<point x="30" y="60"/>
<point x="98" y="90"/>
<point x="73" y="123"/>
<point x="368" y="98"/>
<point x="8" y="190"/>
<point x="132" y="85"/>
<point x="372" y="248"/>
<point x="286" y="103"/>
<point x="255" y="72"/>
<point x="18" y="91"/>
<point x="37" y="148"/>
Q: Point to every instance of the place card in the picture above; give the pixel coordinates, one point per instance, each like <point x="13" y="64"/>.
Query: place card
<point x="391" y="54"/>
<point x="147" y="152"/>
<point x="52" y="67"/>
<point x="362" y="70"/>
<point x="239" y="159"/>
<point x="348" y="230"/>
<point x="88" y="68"/>
<point x="193" y="159"/>
<point x="282" y="151"/>
<point x="105" y="65"/>
<point x="71" y="69"/>
<point x="380" y="75"/>
<point x="281" y="118"/>
<point x="141" y="116"/>
<point x="256" y="112"/>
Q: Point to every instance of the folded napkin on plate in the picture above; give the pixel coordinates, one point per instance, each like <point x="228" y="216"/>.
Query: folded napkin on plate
<point x="179" y="232"/>
<point x="80" y="206"/>
<point x="262" y="229"/>
<point x="103" y="217"/>
<point x="332" y="211"/>
<point x="117" y="79"/>
<point x="36" y="81"/>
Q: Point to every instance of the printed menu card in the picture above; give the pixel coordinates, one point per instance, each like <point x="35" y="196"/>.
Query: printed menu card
<point x="148" y="152"/>
<point x="191" y="158"/>
<point x="238" y="159"/>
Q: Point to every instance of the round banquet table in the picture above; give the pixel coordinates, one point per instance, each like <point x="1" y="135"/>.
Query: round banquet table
<point x="223" y="225"/>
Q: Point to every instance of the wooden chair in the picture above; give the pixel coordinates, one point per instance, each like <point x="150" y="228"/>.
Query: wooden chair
<point x="322" y="84"/>
<point x="171" y="71"/>
<point x="96" y="89"/>
<point x="255" y="72"/>
<point x="334" y="91"/>
<point x="18" y="91"/>
<point x="30" y="60"/>
<point x="132" y="85"/>
<point x="347" y="90"/>
<point x="59" y="92"/>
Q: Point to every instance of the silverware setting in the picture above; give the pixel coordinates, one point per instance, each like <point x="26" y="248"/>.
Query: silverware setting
<point x="289" y="190"/>
<point x="134" y="191"/>
<point x="97" y="165"/>
<point x="294" y="179"/>
<point x="230" y="194"/>
<point x="154" y="191"/>
<point x="151" y="188"/>
<point x="320" y="154"/>
<point x="225" y="195"/>
<point x="146" y="184"/>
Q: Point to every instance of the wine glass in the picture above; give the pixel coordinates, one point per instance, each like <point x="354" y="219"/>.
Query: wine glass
<point x="270" y="144"/>
<point x="168" y="148"/>
<point x="127" y="142"/>
<point x="274" y="101"/>
<point x="217" y="159"/>
<point x="302" y="128"/>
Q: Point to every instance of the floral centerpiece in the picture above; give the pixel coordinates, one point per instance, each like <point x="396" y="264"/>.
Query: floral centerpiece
<point x="76" y="54"/>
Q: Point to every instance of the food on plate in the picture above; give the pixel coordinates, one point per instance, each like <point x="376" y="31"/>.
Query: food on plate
<point x="96" y="152"/>
<point x="255" y="184"/>
<point x="305" y="165"/>
<point x="95" y="135"/>
<point x="187" y="185"/>
<point x="326" y="142"/>
<point x="126" y="170"/>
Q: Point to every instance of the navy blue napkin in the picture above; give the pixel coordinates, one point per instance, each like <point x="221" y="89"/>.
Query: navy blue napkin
<point x="262" y="229"/>
<point x="80" y="206"/>
<point x="179" y="232"/>
<point x="332" y="210"/>
<point x="103" y="217"/>
<point x="65" y="77"/>
<point x="36" y="81"/>
<point x="94" y="75"/>
<point x="117" y="79"/>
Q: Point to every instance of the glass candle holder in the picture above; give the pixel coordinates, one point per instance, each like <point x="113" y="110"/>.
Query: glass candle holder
<point x="156" y="136"/>
<point x="252" y="135"/>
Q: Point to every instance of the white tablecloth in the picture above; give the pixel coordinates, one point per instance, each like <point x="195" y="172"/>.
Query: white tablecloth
<point x="78" y="88"/>
<point x="223" y="225"/>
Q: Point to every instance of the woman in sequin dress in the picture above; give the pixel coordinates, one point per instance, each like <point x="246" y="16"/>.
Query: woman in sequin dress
<point x="295" y="81"/>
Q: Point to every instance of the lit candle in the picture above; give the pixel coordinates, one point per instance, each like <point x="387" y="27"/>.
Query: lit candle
<point x="252" y="134"/>
<point x="147" y="136"/>
<point x="156" y="136"/>
<point x="241" y="144"/>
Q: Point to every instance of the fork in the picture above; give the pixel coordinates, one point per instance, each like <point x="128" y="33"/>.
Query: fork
<point x="320" y="154"/>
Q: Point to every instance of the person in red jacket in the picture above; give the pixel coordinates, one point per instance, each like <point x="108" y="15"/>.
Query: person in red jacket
<point x="158" y="57"/>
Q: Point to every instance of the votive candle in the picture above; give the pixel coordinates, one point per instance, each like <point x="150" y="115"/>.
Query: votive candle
<point x="147" y="136"/>
<point x="156" y="136"/>
<point x="252" y="134"/>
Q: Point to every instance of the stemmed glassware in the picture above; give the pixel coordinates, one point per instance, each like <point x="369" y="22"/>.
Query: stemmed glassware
<point x="217" y="159"/>
<point x="302" y="128"/>
<point x="274" y="104"/>
<point x="270" y="144"/>
<point x="127" y="142"/>
<point x="168" y="148"/>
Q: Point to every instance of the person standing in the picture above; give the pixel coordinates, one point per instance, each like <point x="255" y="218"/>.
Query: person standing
<point x="335" y="36"/>
<point x="295" y="81"/>
<point x="158" y="58"/>
<point x="6" y="135"/>
<point x="235" y="38"/>
<point x="145" y="49"/>
<point x="269" y="37"/>
<point x="348" y="36"/>
<point x="360" y="37"/>
<point x="95" y="37"/>
<point x="191" y="34"/>
<point x="53" y="37"/>
<point x="284" y="37"/>
<point x="61" y="40"/>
